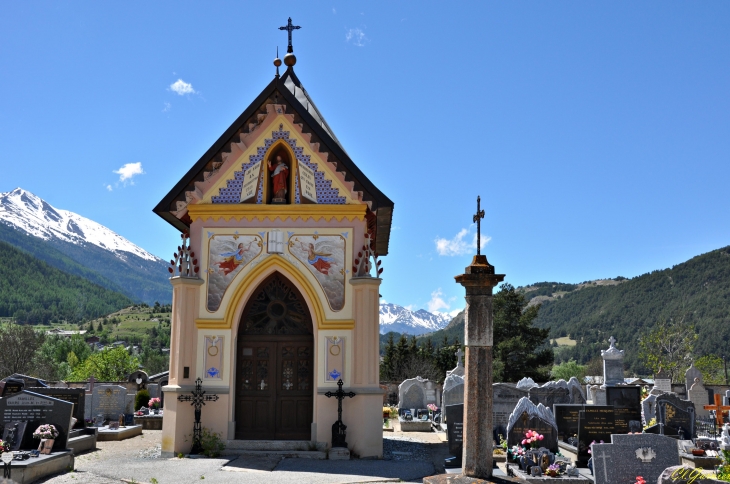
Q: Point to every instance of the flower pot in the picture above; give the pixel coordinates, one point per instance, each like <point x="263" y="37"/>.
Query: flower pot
<point x="46" y="445"/>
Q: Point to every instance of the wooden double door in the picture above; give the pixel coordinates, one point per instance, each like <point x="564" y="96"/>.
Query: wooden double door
<point x="274" y="389"/>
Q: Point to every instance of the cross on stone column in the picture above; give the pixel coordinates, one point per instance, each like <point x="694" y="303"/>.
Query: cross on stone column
<point x="459" y="355"/>
<point x="478" y="220"/>
<point x="339" y="428"/>
<point x="719" y="409"/>
<point x="197" y="398"/>
<point x="612" y="341"/>
<point x="290" y="28"/>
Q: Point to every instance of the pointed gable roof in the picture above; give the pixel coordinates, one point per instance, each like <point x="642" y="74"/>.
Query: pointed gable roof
<point x="289" y="91"/>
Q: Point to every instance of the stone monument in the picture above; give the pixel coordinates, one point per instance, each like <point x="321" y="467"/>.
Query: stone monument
<point x="479" y="279"/>
<point x="613" y="365"/>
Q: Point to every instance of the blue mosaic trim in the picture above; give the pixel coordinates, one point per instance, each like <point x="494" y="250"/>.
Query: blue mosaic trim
<point x="326" y="194"/>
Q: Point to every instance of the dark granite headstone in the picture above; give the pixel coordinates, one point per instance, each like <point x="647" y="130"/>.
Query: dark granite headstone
<point x="128" y="419"/>
<point x="77" y="396"/>
<point x="675" y="413"/>
<point x="37" y="409"/>
<point x="626" y="402"/>
<point x="628" y="456"/>
<point x="12" y="386"/>
<point x="14" y="434"/>
<point x="30" y="381"/>
<point x="550" y="393"/>
<point x="455" y="431"/>
<point x="566" y="418"/>
<point x="595" y="423"/>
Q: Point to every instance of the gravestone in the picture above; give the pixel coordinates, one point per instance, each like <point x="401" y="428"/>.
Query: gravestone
<point x="455" y="432"/>
<point x="698" y="395"/>
<point x="526" y="383"/>
<point x="577" y="397"/>
<point x="595" y="423"/>
<point x="528" y="416"/>
<point x="691" y="375"/>
<point x="412" y="393"/>
<point x="109" y="401"/>
<point x="566" y="418"/>
<point x="504" y="401"/>
<point x="662" y="381"/>
<point x="77" y="396"/>
<point x="453" y="393"/>
<point x="154" y="390"/>
<point x="551" y="393"/>
<point x="675" y="413"/>
<point x="430" y="392"/>
<point x="29" y="381"/>
<point x="598" y="395"/>
<point x="12" y="386"/>
<point x="613" y="365"/>
<point x="626" y="402"/>
<point x="727" y="398"/>
<point x="628" y="456"/>
<point x="459" y="370"/>
<point x="648" y="407"/>
<point x="37" y="409"/>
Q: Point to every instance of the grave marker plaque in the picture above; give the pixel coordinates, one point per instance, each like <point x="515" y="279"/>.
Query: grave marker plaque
<point x="37" y="409"/>
<point x="626" y="402"/>
<point x="566" y="418"/>
<point x="596" y="423"/>
<point x="528" y="416"/>
<point x="455" y="431"/>
<point x="675" y="413"/>
<point x="77" y="396"/>
<point x="11" y="386"/>
<point x="109" y="401"/>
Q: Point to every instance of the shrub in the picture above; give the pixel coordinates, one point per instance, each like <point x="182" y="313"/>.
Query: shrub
<point x="211" y="443"/>
<point x="142" y="399"/>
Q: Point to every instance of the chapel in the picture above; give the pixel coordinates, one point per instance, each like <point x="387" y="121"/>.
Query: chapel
<point x="275" y="284"/>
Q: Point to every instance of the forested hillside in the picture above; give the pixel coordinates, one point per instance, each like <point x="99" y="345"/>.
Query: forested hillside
<point x="32" y="291"/>
<point x="697" y="290"/>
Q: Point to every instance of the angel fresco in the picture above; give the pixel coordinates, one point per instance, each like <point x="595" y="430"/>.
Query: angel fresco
<point x="227" y="256"/>
<point x="324" y="256"/>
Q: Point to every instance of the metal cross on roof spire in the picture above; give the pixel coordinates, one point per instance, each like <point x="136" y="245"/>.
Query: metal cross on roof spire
<point x="289" y="28"/>
<point x="477" y="220"/>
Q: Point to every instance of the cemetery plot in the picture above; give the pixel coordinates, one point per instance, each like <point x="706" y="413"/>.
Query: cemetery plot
<point x="77" y="396"/>
<point x="626" y="402"/>
<point x="628" y="456"/>
<point x="36" y="409"/>
<point x="596" y="423"/>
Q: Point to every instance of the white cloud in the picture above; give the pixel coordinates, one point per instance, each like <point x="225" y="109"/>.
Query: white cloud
<point x="109" y="187"/>
<point x="357" y="36"/>
<point x="128" y="171"/>
<point x="455" y="312"/>
<point x="460" y="244"/>
<point x="167" y="107"/>
<point x="383" y="301"/>
<point x="181" y="87"/>
<point x="437" y="301"/>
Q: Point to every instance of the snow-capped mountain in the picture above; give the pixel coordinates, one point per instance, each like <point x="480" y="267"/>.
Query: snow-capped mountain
<point x="34" y="216"/>
<point x="82" y="247"/>
<point x="402" y="320"/>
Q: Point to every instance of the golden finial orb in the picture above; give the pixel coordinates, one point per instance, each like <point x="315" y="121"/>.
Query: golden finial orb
<point x="277" y="62"/>
<point x="290" y="59"/>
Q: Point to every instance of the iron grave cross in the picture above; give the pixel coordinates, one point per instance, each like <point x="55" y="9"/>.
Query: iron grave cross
<point x="197" y="399"/>
<point x="289" y="28"/>
<point x="338" y="428"/>
<point x="478" y="220"/>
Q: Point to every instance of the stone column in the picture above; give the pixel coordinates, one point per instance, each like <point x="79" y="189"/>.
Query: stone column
<point x="479" y="279"/>
<point x="178" y="421"/>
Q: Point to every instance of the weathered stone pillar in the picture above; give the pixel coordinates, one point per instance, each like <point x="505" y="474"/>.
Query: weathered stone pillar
<point x="479" y="279"/>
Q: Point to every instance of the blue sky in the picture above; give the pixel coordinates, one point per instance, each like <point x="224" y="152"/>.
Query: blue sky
<point x="597" y="134"/>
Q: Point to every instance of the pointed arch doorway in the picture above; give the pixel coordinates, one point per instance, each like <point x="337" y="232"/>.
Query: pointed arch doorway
<point x="274" y="364"/>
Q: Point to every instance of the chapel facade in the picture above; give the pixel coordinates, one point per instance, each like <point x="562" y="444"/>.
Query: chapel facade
<point x="275" y="299"/>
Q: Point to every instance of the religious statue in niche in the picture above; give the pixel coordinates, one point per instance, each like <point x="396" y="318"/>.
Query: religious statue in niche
<point x="279" y="177"/>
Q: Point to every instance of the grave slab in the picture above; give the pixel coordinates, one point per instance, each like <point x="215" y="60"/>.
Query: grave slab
<point x="31" y="470"/>
<point x="628" y="456"/>
<point x="106" y="434"/>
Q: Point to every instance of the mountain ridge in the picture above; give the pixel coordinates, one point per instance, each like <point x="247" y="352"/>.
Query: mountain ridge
<point x="403" y="320"/>
<point x="82" y="247"/>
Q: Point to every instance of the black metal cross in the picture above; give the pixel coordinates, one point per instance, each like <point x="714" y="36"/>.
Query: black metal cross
<point x="197" y="398"/>
<point x="289" y="28"/>
<point x="478" y="220"/>
<point x="338" y="428"/>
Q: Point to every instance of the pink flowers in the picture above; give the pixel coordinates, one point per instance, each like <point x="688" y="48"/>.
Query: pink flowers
<point x="640" y="480"/>
<point x="154" y="402"/>
<point x="532" y="438"/>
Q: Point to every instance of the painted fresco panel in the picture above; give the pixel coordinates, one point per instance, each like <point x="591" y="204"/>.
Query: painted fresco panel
<point x="324" y="257"/>
<point x="227" y="256"/>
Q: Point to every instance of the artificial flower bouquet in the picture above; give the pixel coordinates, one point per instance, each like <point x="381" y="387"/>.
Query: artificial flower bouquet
<point x="154" y="403"/>
<point x="46" y="431"/>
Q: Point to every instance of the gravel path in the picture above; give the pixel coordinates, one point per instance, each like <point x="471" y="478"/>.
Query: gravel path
<point x="407" y="457"/>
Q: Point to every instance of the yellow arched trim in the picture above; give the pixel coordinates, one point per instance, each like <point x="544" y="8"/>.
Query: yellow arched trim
<point x="251" y="212"/>
<point x="291" y="272"/>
